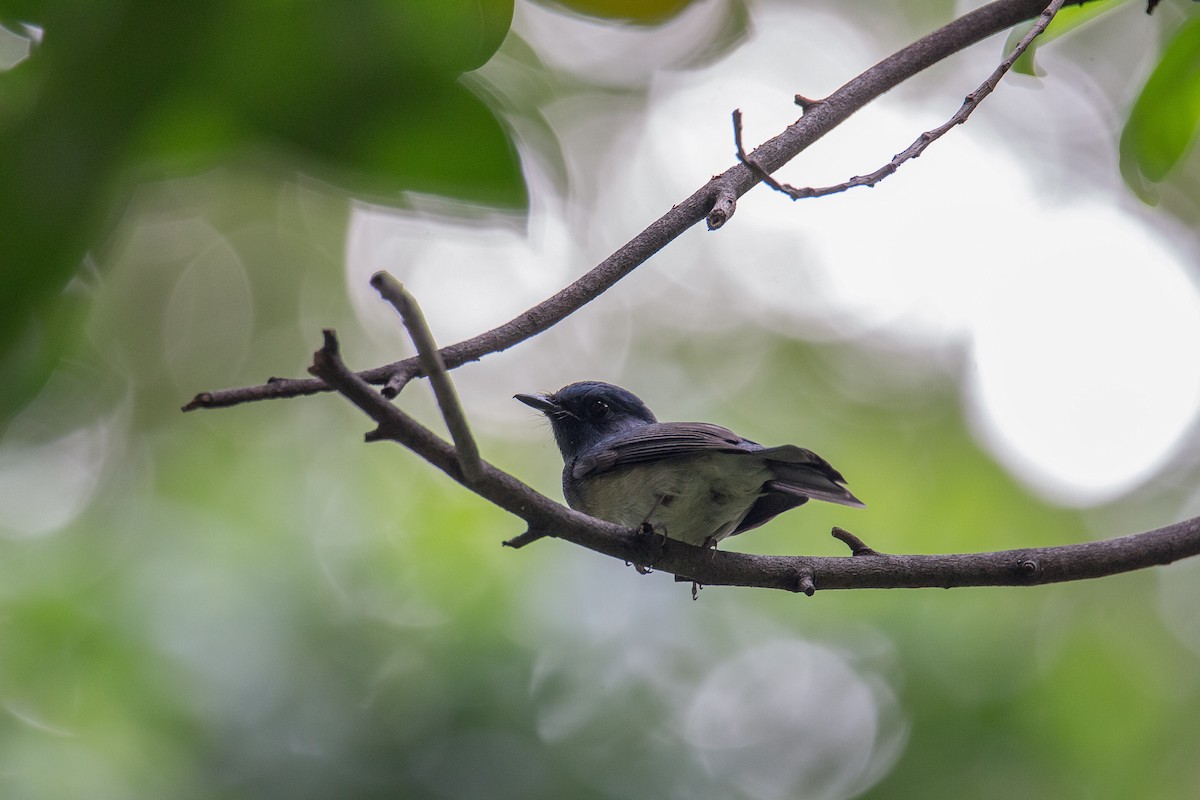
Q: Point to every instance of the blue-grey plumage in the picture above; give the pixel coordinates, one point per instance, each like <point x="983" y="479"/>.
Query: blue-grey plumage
<point x="691" y="481"/>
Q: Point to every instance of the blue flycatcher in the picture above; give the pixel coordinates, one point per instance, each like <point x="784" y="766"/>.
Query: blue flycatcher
<point x="691" y="481"/>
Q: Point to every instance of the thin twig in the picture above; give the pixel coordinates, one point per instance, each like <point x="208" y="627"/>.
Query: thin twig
<point x="528" y="537"/>
<point x="400" y="378"/>
<point x="749" y="161"/>
<point x="394" y="292"/>
<point x="857" y="546"/>
<point x="970" y="103"/>
<point x="805" y="103"/>
<point x="817" y="120"/>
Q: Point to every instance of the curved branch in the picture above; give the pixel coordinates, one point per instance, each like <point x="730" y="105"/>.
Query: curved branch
<point x="819" y="117"/>
<point x="865" y="569"/>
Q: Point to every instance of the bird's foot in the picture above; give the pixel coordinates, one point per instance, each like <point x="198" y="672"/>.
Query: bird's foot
<point x="709" y="543"/>
<point x="648" y="530"/>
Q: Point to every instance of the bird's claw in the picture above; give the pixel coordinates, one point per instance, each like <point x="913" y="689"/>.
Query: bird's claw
<point x="648" y="530"/>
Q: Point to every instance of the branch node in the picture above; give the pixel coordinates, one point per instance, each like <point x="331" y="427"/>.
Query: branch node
<point x="805" y="584"/>
<point x="857" y="546"/>
<point x="806" y="103"/>
<point x="759" y="173"/>
<point x="723" y="208"/>
<point x="328" y="353"/>
<point x="1029" y="568"/>
<point x="528" y="537"/>
<point x="399" y="379"/>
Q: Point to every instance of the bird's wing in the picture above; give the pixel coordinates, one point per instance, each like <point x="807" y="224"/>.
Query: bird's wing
<point x="658" y="441"/>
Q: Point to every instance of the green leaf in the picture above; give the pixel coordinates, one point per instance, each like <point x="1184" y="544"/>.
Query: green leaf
<point x="430" y="136"/>
<point x="369" y="99"/>
<point x="1166" y="116"/>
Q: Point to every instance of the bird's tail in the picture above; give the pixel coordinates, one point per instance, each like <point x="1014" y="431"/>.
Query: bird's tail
<point x="803" y="473"/>
<point x="816" y="487"/>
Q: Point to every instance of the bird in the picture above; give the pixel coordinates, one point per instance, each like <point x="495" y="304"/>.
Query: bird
<point x="692" y="481"/>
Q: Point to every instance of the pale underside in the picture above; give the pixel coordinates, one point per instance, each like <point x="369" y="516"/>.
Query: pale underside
<point x="691" y="499"/>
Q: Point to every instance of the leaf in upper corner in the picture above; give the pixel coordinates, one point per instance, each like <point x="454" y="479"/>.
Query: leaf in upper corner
<point x="1065" y="21"/>
<point x="1165" y="118"/>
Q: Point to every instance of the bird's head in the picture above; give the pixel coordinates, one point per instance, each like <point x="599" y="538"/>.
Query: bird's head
<point x="584" y="413"/>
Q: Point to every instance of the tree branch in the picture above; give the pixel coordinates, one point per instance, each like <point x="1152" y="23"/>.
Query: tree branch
<point x="717" y="197"/>
<point x="865" y="569"/>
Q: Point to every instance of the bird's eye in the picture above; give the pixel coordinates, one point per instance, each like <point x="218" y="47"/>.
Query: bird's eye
<point x="597" y="409"/>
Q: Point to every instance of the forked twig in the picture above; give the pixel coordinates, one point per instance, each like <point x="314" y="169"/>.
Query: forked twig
<point x="914" y="150"/>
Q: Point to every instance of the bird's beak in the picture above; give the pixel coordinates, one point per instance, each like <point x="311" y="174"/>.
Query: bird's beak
<point x="541" y="402"/>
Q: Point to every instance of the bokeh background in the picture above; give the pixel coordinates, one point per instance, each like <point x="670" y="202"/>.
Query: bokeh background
<point x="998" y="347"/>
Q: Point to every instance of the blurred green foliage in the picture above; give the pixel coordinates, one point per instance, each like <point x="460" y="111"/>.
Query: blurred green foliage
<point x="1165" y="120"/>
<point x="251" y="604"/>
<point x="366" y="98"/>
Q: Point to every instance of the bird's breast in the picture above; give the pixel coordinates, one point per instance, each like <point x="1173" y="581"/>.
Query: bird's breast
<point x="695" y="499"/>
